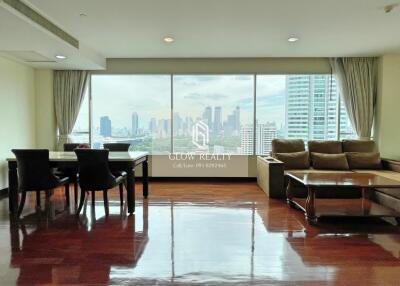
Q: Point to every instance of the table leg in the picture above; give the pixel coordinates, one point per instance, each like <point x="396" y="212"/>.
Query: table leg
<point x="310" y="206"/>
<point x="12" y="187"/>
<point x="289" y="194"/>
<point x="130" y="188"/>
<point x="145" y="167"/>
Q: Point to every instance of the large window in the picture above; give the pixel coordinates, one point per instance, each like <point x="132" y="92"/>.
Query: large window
<point x="216" y="114"/>
<point x="219" y="106"/>
<point x="132" y="109"/>
<point x="81" y="131"/>
<point x="299" y="107"/>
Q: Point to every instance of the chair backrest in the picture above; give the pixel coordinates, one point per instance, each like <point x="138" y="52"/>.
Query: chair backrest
<point x="117" y="147"/>
<point x="94" y="171"/>
<point x="34" y="172"/>
<point x="69" y="147"/>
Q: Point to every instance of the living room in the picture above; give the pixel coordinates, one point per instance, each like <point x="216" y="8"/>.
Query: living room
<point x="199" y="142"/>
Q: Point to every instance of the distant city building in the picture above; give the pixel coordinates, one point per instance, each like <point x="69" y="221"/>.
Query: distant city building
<point x="207" y="116"/>
<point x="217" y="119"/>
<point x="236" y="114"/>
<point x="153" y="125"/>
<point x="265" y="133"/>
<point x="246" y="140"/>
<point x="135" y="124"/>
<point x="232" y="124"/>
<point x="105" y="126"/>
<point x="178" y="124"/>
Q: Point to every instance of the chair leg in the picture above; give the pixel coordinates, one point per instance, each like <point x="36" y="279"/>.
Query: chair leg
<point x="38" y="199"/>
<point x="76" y="192"/>
<point x="121" y="193"/>
<point x="67" y="193"/>
<point x="82" y="200"/>
<point x="22" y="203"/>
<point x="105" y="198"/>
<point x="93" y="197"/>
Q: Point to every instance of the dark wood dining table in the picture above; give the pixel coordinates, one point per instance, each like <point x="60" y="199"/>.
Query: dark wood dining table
<point x="126" y="161"/>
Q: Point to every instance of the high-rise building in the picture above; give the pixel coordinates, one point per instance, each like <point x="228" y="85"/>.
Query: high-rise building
<point x="178" y="124"/>
<point x="232" y="123"/>
<point x="153" y="125"/>
<point x="207" y="116"/>
<point x="217" y="119"/>
<point x="105" y="126"/>
<point x="265" y="133"/>
<point x="236" y="114"/>
<point x="311" y="107"/>
<point x="246" y="140"/>
<point x="135" y="124"/>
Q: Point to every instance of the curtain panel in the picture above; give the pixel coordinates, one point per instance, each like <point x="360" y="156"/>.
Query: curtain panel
<point x="357" y="83"/>
<point x="69" y="88"/>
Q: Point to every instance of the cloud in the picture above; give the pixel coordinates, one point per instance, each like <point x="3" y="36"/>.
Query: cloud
<point x="202" y="96"/>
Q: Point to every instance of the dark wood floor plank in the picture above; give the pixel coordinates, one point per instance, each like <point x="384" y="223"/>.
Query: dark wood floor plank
<point x="192" y="234"/>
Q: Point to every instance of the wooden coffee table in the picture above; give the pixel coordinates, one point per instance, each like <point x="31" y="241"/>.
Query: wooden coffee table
<point x="362" y="207"/>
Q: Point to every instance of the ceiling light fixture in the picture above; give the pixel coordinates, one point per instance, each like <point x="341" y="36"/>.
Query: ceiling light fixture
<point x="292" y="39"/>
<point x="61" y="57"/>
<point x="168" y="40"/>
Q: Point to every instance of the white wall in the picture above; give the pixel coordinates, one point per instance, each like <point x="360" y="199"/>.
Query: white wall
<point x="46" y="128"/>
<point x="17" y="111"/>
<point x="387" y="132"/>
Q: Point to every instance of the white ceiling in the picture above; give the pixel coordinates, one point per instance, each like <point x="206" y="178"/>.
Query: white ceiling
<point x="221" y="28"/>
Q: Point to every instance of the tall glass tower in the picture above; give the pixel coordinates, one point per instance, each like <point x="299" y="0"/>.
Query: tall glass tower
<point x="312" y="108"/>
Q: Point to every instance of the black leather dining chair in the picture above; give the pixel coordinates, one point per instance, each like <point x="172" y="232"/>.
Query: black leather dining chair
<point x="117" y="147"/>
<point x="71" y="172"/>
<point x="70" y="147"/>
<point x="35" y="174"/>
<point x="95" y="175"/>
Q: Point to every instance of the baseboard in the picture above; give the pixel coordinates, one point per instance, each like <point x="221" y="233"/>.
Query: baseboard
<point x="200" y="179"/>
<point x="4" y="192"/>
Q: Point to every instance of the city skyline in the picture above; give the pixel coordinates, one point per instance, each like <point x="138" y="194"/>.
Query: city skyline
<point x="306" y="108"/>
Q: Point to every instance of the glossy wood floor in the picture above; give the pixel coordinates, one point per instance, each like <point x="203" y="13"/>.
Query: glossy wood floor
<point x="194" y="234"/>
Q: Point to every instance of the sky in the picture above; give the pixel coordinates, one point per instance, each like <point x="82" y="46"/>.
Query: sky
<point x="118" y="96"/>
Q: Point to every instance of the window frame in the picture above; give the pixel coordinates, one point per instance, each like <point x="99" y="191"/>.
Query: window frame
<point x="254" y="84"/>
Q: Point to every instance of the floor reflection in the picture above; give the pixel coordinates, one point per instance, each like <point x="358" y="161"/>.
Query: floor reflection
<point x="62" y="249"/>
<point x="200" y="234"/>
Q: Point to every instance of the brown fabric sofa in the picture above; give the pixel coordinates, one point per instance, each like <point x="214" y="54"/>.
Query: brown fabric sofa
<point x="271" y="172"/>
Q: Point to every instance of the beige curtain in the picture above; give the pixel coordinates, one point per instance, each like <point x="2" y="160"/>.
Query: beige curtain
<point x="357" y="84"/>
<point x="69" y="88"/>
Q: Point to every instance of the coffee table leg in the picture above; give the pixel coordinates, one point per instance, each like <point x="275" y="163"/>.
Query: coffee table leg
<point x="310" y="206"/>
<point x="289" y="194"/>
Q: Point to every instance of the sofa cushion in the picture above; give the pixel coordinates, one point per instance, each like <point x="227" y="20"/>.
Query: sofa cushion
<point x="358" y="146"/>
<point x="358" y="160"/>
<point x="327" y="147"/>
<point x="287" y="146"/>
<point x="329" y="161"/>
<point x="294" y="160"/>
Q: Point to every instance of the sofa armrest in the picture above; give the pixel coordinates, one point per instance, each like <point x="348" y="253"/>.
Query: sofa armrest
<point x="270" y="177"/>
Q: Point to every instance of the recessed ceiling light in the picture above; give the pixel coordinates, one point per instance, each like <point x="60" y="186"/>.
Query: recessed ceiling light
<point x="169" y="40"/>
<point x="61" y="57"/>
<point x="292" y="39"/>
